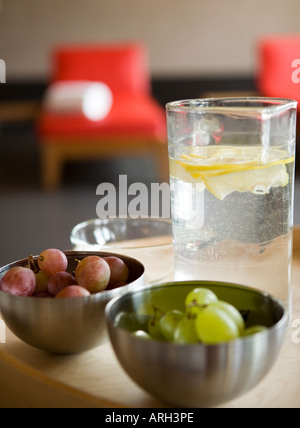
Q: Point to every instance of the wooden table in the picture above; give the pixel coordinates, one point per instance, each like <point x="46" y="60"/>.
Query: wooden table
<point x="32" y="378"/>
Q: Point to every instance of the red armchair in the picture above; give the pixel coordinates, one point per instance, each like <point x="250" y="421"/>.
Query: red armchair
<point x="278" y="73"/>
<point x="135" y="123"/>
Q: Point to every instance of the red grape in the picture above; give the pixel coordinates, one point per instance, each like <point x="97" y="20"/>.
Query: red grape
<point x="73" y="291"/>
<point x="93" y="273"/>
<point x="19" y="281"/>
<point x="52" y="261"/>
<point x="119" y="271"/>
<point x="41" y="294"/>
<point x="59" y="281"/>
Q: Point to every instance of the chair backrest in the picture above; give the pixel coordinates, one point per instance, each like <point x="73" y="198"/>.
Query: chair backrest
<point x="278" y="73"/>
<point x="123" y="67"/>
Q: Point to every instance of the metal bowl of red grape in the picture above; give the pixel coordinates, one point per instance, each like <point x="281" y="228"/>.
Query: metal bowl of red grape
<point x="55" y="301"/>
<point x="196" y="343"/>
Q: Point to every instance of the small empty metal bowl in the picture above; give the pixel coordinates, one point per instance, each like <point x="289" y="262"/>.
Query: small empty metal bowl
<point x="198" y="375"/>
<point x="64" y="326"/>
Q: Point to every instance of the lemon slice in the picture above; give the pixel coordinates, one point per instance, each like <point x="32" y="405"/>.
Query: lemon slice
<point x="223" y="170"/>
<point x="257" y="181"/>
<point x="216" y="156"/>
<point x="180" y="172"/>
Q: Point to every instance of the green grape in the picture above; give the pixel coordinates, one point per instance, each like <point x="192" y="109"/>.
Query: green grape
<point x="169" y="322"/>
<point x="253" y="330"/>
<point x="41" y="282"/>
<point x="206" y="320"/>
<point x="214" y="325"/>
<point x="132" y="321"/>
<point x="141" y="334"/>
<point x="199" y="298"/>
<point x="154" y="326"/>
<point x="232" y="312"/>
<point x="185" y="332"/>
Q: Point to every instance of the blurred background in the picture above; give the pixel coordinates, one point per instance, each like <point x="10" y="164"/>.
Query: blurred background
<point x="197" y="48"/>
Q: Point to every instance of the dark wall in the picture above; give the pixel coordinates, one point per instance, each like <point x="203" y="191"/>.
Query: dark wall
<point x="164" y="89"/>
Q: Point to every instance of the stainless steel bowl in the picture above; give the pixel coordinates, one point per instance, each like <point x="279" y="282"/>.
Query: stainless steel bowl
<point x="64" y="326"/>
<point x="198" y="375"/>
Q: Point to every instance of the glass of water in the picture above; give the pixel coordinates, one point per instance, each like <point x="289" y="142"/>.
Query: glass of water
<point x="232" y="190"/>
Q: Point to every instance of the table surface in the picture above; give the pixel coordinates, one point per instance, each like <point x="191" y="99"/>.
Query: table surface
<point x="32" y="378"/>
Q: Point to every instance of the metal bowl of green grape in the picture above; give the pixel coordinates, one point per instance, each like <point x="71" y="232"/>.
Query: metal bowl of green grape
<point x="196" y="343"/>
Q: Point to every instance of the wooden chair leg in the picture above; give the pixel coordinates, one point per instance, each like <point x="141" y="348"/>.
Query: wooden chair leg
<point x="51" y="167"/>
<point x="53" y="157"/>
<point x="162" y="162"/>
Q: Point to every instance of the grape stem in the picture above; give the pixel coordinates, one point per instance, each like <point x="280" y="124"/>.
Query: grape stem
<point x="195" y="304"/>
<point x="31" y="264"/>
<point x="156" y="311"/>
<point x="245" y="313"/>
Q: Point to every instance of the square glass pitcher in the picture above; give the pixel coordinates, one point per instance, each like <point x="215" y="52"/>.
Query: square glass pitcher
<point x="232" y="190"/>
